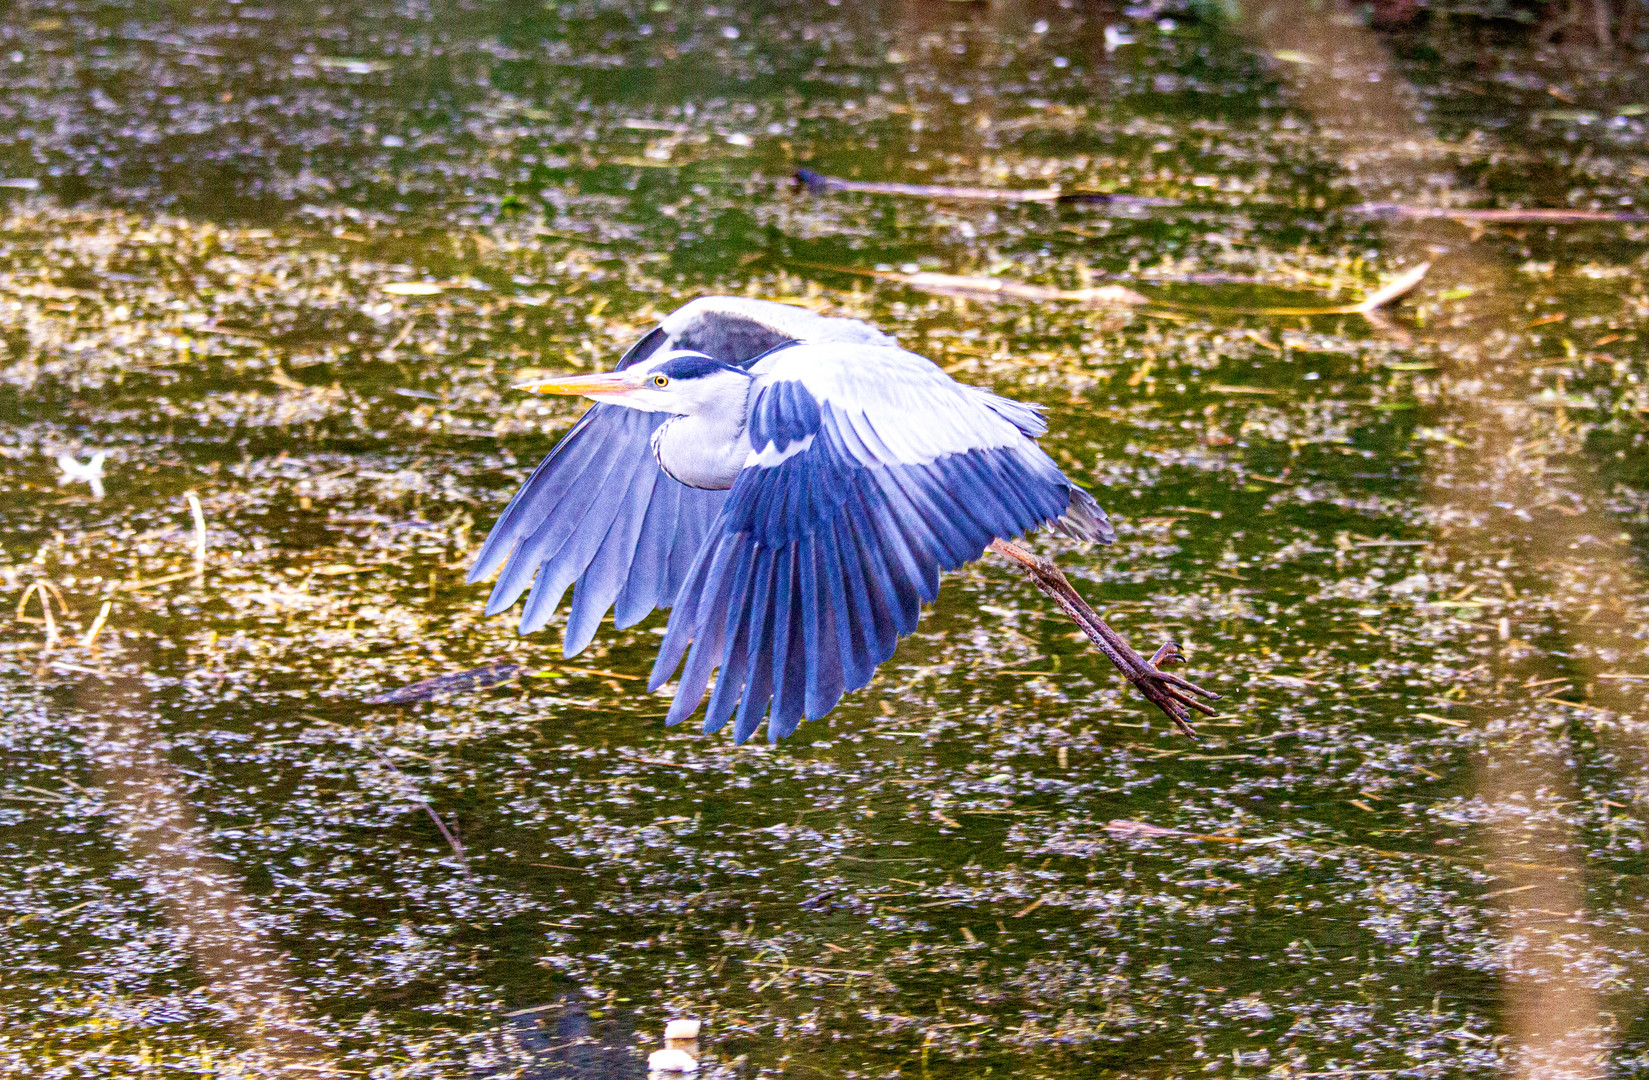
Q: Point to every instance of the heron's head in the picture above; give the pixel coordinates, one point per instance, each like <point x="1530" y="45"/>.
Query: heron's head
<point x="683" y="383"/>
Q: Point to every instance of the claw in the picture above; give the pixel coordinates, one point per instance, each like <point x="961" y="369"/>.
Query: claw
<point x="1169" y="650"/>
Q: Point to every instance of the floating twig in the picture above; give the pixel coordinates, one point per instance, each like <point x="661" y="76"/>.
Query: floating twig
<point x="200" y="529"/>
<point x="973" y="285"/>
<point x="395" y="343"/>
<point x="818" y="182"/>
<point x="1397" y="288"/>
<point x="97" y="624"/>
<point x="1167" y="691"/>
<point x="134" y="586"/>
<point x="982" y="287"/>
<point x="500" y="671"/>
<point x="1123" y="827"/>
<point x="1532" y="216"/>
<point x="47" y="592"/>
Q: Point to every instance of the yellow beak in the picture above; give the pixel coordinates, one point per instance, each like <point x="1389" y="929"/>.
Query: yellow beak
<point x="605" y="384"/>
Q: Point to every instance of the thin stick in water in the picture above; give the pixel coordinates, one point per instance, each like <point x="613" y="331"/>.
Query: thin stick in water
<point x="200" y="529"/>
<point x="97" y="624"/>
<point x="451" y="839"/>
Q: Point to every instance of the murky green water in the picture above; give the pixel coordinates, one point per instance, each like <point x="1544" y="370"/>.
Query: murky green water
<point x="1410" y="553"/>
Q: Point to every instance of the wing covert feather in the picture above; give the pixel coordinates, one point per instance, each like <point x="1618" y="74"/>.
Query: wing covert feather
<point x="858" y="494"/>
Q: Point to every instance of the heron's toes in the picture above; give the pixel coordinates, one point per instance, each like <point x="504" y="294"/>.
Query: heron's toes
<point x="1169" y="651"/>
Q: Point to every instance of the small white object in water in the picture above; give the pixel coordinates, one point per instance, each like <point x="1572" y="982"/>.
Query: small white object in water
<point x="681" y="1029"/>
<point x="91" y="472"/>
<point x="675" y="1061"/>
<point x="1116" y="37"/>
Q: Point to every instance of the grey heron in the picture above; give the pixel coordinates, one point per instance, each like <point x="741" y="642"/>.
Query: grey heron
<point x="791" y="486"/>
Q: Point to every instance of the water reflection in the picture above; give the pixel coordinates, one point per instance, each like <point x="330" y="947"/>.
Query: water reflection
<point x="200" y="894"/>
<point x="1557" y="1019"/>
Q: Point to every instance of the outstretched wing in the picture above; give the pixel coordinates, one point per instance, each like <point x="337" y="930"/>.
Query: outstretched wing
<point x="871" y="472"/>
<point x="599" y="515"/>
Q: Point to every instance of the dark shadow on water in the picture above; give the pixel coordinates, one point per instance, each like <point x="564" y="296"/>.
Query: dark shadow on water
<point x="563" y="1042"/>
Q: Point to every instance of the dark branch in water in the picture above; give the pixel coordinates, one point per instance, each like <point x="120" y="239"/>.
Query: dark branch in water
<point x="1168" y="692"/>
<point x="501" y="671"/>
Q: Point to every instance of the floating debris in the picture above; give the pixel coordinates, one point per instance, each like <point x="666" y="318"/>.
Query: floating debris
<point x="352" y="65"/>
<point x="671" y="1060"/>
<point x="78" y="472"/>
<point x="682" y="1029"/>
<point x="1139" y="830"/>
<point x="981" y="287"/>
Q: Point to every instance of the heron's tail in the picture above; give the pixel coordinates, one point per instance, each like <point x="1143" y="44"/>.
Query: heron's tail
<point x="1084" y="519"/>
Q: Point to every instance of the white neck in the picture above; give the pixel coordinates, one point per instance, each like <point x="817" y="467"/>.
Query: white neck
<point x="703" y="451"/>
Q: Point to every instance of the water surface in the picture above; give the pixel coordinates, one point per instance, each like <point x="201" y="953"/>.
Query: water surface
<point x="1409" y="552"/>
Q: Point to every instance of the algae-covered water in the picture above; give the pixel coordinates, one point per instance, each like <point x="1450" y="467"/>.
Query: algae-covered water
<point x="287" y="259"/>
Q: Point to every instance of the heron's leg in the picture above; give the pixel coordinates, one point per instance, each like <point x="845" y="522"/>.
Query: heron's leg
<point x="1168" y="692"/>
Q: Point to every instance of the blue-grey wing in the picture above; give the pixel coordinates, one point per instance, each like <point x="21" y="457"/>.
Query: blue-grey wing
<point x="858" y="492"/>
<point x="598" y="515"/>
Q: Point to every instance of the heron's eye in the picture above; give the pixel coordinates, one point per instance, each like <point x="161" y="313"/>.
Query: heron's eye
<point x="661" y="380"/>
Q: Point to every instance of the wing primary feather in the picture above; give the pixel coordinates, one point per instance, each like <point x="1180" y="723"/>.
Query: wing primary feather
<point x="709" y="618"/>
<point x="642" y="591"/>
<point x="827" y="688"/>
<point x="539" y="496"/>
<point x="882" y="542"/>
<point x="786" y="697"/>
<point x="931" y="506"/>
<point x="823" y="679"/>
<point x="596" y="591"/>
<point x="855" y="631"/>
<point x="724" y="699"/>
<point x="758" y="687"/>
<point x="572" y="557"/>
<point x="985" y="500"/>
<point x="811" y="617"/>
<point x="679" y="631"/>
<point x="552" y="530"/>
<point x="698" y="511"/>
<point x="790" y="695"/>
<point x="902" y="520"/>
<point x="1039" y="488"/>
<point x="878" y="628"/>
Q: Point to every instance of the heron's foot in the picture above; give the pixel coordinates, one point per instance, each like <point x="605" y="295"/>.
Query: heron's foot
<point x="1173" y="695"/>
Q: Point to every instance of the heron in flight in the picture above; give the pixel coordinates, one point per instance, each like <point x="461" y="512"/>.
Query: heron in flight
<point x="790" y="486"/>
